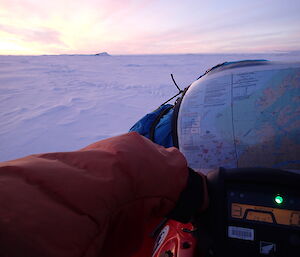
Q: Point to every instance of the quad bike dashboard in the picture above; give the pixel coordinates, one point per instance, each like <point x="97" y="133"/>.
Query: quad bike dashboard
<point x="253" y="212"/>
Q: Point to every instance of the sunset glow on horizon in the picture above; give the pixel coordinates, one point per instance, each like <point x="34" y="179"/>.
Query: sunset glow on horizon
<point x="34" y="27"/>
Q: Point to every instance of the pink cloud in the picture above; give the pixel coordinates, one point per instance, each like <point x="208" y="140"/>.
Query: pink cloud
<point x="41" y="35"/>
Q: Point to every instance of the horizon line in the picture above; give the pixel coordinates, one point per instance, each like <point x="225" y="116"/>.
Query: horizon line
<point x="106" y="54"/>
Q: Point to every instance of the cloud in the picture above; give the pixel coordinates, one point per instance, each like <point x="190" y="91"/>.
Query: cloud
<point x="37" y="35"/>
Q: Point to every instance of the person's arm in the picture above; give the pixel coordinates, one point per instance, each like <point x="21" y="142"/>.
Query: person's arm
<point x="94" y="202"/>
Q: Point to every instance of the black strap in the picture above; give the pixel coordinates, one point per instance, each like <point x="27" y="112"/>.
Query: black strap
<point x="156" y="121"/>
<point x="175" y="118"/>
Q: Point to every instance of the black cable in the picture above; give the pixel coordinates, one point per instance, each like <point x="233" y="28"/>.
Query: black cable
<point x="180" y="91"/>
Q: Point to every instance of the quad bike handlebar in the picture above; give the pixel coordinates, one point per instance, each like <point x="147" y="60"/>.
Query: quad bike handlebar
<point x="253" y="212"/>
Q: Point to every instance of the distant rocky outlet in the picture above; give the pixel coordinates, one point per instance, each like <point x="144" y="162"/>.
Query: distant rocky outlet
<point x="103" y="54"/>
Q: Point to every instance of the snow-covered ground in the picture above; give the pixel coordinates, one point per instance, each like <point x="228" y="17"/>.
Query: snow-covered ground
<point x="62" y="103"/>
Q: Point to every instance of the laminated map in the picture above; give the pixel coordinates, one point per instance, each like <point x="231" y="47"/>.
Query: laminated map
<point x="242" y="117"/>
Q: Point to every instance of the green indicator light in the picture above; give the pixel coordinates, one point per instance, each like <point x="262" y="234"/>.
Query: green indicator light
<point x="278" y="199"/>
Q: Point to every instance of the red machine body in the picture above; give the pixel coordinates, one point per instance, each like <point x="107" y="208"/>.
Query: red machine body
<point x="175" y="240"/>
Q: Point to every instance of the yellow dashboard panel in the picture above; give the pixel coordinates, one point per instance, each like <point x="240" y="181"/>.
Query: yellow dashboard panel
<point x="265" y="214"/>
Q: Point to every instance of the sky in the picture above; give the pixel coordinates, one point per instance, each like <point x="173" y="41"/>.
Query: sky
<point x="34" y="27"/>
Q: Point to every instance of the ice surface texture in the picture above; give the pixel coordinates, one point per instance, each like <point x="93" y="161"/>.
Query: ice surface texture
<point x="62" y="103"/>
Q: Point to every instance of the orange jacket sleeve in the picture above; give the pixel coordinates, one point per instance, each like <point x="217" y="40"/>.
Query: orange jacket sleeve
<point x="93" y="202"/>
